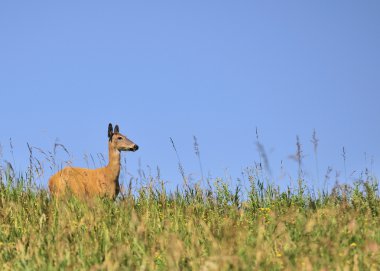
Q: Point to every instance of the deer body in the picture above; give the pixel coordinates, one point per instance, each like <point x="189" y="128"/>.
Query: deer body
<point x="85" y="183"/>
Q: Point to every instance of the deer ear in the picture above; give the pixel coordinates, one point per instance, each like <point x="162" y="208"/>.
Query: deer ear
<point x="110" y="133"/>
<point x="116" y="129"/>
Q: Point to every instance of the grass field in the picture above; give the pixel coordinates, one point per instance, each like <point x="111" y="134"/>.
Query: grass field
<point x="213" y="227"/>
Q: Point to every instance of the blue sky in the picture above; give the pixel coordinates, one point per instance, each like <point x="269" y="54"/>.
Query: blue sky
<point x="214" y="69"/>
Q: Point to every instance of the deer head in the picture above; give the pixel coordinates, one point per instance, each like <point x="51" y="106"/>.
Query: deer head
<point x="118" y="141"/>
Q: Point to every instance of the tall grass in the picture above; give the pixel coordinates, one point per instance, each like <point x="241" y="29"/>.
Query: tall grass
<point x="191" y="228"/>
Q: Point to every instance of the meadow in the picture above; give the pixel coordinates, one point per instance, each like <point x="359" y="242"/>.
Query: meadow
<point x="210" y="225"/>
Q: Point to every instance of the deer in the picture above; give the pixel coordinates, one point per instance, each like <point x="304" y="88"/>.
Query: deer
<point x="89" y="183"/>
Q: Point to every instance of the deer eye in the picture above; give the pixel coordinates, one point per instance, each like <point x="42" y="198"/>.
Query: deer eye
<point x="119" y="138"/>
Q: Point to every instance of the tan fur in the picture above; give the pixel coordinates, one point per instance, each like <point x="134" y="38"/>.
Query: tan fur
<point x="87" y="183"/>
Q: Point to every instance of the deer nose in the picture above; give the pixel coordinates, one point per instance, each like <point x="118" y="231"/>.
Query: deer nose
<point x="135" y="147"/>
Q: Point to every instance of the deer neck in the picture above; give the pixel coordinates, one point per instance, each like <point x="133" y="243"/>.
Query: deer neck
<point x="113" y="163"/>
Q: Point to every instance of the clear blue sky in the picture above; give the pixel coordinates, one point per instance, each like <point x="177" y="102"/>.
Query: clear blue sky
<point x="213" y="69"/>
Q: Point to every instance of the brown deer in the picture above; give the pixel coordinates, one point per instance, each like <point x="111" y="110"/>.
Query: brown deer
<point x="87" y="183"/>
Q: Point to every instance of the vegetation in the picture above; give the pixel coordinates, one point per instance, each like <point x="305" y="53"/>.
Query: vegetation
<point x="216" y="226"/>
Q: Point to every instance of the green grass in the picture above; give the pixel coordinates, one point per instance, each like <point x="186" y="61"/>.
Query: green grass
<point x="192" y="229"/>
